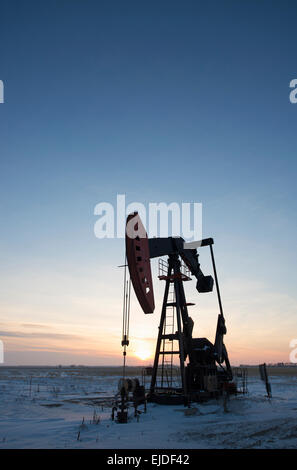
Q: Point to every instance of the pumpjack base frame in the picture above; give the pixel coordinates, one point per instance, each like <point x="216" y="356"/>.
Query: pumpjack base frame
<point x="171" y="398"/>
<point x="167" y="399"/>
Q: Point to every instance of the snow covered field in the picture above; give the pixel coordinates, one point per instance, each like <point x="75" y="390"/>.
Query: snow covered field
<point x="70" y="408"/>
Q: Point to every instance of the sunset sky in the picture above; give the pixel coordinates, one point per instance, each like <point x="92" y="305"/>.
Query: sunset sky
<point x="171" y="101"/>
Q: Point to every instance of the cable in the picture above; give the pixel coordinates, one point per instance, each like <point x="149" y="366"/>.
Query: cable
<point x="126" y="316"/>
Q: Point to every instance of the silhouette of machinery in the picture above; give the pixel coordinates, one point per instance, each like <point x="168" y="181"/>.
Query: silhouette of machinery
<point x="203" y="369"/>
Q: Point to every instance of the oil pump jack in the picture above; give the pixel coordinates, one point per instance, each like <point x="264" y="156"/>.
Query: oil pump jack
<point x="204" y="370"/>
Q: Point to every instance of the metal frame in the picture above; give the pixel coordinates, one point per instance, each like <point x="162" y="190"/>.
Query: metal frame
<point x="175" y="276"/>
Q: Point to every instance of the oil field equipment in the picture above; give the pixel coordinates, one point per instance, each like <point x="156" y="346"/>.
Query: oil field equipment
<point x="264" y="377"/>
<point x="130" y="393"/>
<point x="203" y="370"/>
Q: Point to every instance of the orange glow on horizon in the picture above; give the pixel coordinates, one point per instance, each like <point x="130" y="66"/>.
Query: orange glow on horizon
<point x="142" y="354"/>
<point x="142" y="350"/>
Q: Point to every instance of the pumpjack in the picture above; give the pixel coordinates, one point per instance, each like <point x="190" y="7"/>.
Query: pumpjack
<point x="204" y="369"/>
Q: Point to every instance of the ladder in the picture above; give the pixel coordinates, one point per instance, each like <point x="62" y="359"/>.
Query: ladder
<point x="168" y="377"/>
<point x="167" y="344"/>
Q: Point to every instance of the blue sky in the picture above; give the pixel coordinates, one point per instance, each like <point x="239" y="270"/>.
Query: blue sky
<point x="161" y="101"/>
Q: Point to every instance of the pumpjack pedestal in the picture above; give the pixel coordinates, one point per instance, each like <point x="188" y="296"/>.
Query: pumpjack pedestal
<point x="200" y="378"/>
<point x="184" y="326"/>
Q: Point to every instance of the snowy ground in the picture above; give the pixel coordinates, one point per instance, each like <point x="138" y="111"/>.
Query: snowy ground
<point x="60" y="407"/>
